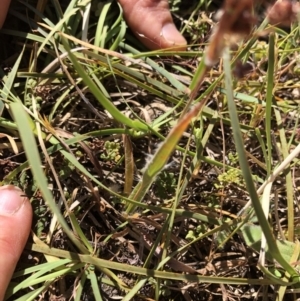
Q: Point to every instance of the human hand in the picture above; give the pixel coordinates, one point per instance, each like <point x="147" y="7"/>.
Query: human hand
<point x="152" y="23"/>
<point x="15" y="223"/>
<point x="3" y="11"/>
<point x="150" y="20"/>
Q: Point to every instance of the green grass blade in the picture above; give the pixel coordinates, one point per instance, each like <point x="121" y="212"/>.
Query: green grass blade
<point x="94" y="284"/>
<point x="160" y="159"/>
<point x="247" y="174"/>
<point x="8" y="81"/>
<point x="136" y="124"/>
<point x="24" y="124"/>
<point x="32" y="295"/>
<point x="44" y="269"/>
<point x="147" y="272"/>
<point x="80" y="286"/>
<point x="134" y="290"/>
<point x="269" y="99"/>
<point x="101" y="30"/>
<point x="288" y="178"/>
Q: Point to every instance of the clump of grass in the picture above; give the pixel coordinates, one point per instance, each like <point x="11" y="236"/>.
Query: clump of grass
<point x="104" y="127"/>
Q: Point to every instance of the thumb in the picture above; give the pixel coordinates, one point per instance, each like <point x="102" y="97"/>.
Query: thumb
<point x="15" y="222"/>
<point x="152" y="23"/>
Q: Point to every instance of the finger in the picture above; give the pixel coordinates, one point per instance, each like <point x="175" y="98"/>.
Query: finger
<point x="3" y="10"/>
<point x="152" y="23"/>
<point x="15" y="223"/>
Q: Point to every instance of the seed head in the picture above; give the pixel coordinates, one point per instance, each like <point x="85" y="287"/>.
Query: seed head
<point x="236" y="22"/>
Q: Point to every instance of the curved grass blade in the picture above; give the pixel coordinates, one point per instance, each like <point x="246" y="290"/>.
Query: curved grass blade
<point x="101" y="31"/>
<point x="25" y="129"/>
<point x="161" y="157"/>
<point x="247" y="174"/>
<point x="8" y="82"/>
<point x="173" y="81"/>
<point x="32" y="295"/>
<point x="136" y="124"/>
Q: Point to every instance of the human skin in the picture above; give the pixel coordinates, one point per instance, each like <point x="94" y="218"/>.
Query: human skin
<point x="3" y="10"/>
<point x="15" y="224"/>
<point x="152" y="23"/>
<point x="150" y="20"/>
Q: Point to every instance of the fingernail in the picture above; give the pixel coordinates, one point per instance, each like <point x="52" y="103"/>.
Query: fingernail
<point x="172" y="35"/>
<point x="10" y="200"/>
